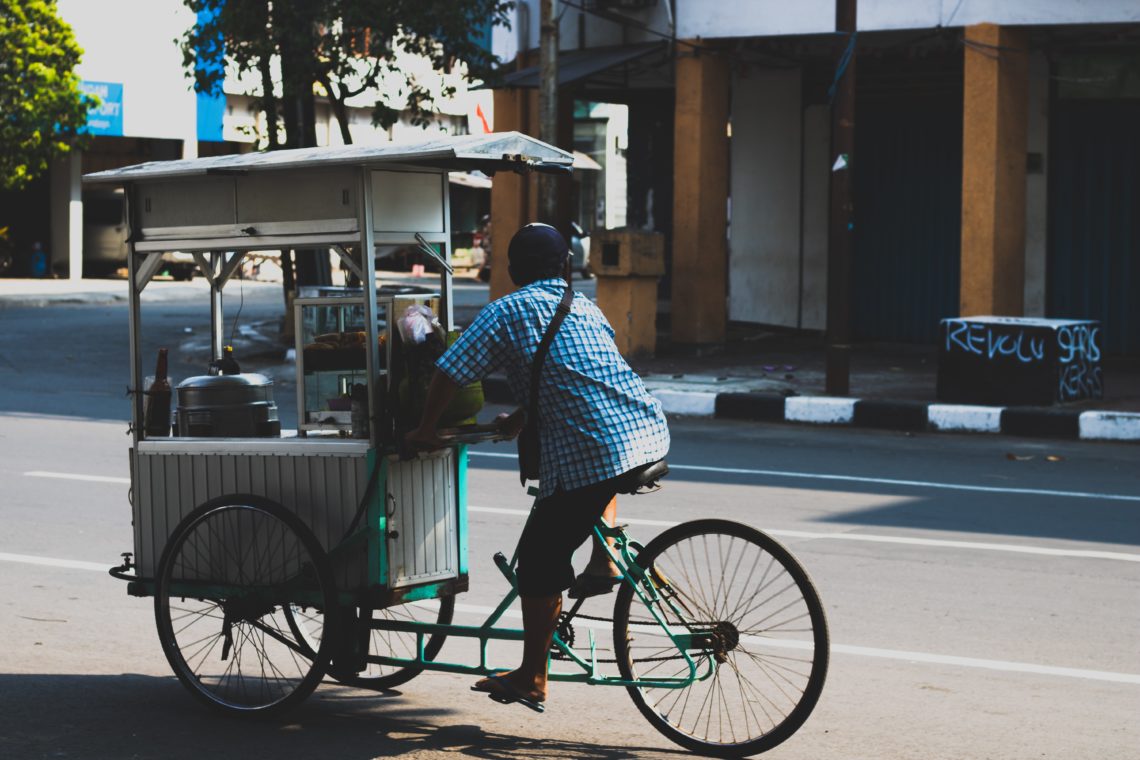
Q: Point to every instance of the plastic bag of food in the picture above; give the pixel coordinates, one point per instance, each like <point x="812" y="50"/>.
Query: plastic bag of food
<point x="417" y="324"/>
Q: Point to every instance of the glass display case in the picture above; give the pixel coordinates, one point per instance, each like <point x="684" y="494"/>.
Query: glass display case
<point x="331" y="342"/>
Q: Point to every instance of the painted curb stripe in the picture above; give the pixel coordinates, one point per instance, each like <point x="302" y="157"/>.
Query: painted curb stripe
<point x="891" y="415"/>
<point x="964" y="417"/>
<point x="1040" y="424"/>
<point x="1110" y="426"/>
<point x="820" y="410"/>
<point x="888" y="415"/>
<point x="687" y="402"/>
<point x="767" y="407"/>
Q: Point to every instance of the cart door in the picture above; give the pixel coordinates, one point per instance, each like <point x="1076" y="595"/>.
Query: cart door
<point x="423" y="539"/>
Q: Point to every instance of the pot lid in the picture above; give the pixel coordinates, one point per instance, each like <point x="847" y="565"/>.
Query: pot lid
<point x="244" y="380"/>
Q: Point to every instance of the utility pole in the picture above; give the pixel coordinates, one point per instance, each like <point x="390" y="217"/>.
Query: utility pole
<point x="842" y="210"/>
<point x="548" y="109"/>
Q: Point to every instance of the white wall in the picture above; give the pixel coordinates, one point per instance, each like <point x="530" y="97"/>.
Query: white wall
<point x="1036" y="198"/>
<point x="132" y="42"/>
<point x="764" y="234"/>
<point x="817" y="186"/>
<point x="912" y="14"/>
<point x="754" y="18"/>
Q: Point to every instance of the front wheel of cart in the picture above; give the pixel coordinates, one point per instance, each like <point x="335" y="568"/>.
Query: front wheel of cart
<point x="401" y="644"/>
<point x="229" y="577"/>
<point x="380" y="640"/>
<point x="754" y="628"/>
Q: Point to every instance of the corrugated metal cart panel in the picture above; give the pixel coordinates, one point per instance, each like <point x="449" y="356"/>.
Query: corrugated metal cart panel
<point x="324" y="490"/>
<point x="421" y="501"/>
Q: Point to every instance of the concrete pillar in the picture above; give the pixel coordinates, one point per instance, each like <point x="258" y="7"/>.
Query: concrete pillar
<point x="994" y="137"/>
<point x="66" y="198"/>
<point x="514" y="197"/>
<point x="700" y="196"/>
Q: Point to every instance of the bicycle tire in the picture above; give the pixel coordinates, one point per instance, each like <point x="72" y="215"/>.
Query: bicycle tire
<point x="239" y="559"/>
<point x="794" y="603"/>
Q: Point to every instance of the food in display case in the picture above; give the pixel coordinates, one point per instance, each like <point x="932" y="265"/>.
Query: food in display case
<point x="332" y="360"/>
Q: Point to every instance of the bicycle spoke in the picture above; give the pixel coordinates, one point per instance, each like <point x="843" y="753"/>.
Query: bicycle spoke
<point x="732" y="590"/>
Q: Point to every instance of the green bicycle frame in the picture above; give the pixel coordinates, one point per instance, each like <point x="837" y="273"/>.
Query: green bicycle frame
<point x="645" y="588"/>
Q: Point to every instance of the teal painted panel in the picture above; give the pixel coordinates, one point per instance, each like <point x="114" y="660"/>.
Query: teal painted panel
<point x="1093" y="259"/>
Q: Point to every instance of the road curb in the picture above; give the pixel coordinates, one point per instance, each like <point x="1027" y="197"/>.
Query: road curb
<point x="42" y="301"/>
<point x="904" y="415"/>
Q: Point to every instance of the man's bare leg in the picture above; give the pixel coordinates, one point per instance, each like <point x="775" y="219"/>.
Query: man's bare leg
<point x="540" y="618"/>
<point x="600" y="563"/>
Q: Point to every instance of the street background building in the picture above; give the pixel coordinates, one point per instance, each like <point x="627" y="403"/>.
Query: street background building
<point x="995" y="166"/>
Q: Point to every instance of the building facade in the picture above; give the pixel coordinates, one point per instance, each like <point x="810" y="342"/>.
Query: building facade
<point x="996" y="168"/>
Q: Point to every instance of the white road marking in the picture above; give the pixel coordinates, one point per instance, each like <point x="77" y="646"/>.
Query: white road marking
<point x="73" y="476"/>
<point x="69" y="564"/>
<point x="873" y="538"/>
<point x="879" y="481"/>
<point x="836" y="536"/>
<point x="887" y="654"/>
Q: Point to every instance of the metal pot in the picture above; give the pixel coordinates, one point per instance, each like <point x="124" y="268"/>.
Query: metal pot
<point x="227" y="406"/>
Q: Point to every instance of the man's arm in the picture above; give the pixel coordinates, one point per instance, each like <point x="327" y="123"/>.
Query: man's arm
<point x="440" y="393"/>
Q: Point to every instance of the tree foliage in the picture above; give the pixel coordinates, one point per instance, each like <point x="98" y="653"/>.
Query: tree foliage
<point x="343" y="47"/>
<point x="42" y="110"/>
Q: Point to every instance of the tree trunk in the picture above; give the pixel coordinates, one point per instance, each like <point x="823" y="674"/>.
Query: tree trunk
<point x="300" y="117"/>
<point x="269" y="103"/>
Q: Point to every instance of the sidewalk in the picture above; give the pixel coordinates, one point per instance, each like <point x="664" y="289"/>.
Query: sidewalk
<point x="19" y="293"/>
<point x="757" y="375"/>
<point x="763" y="375"/>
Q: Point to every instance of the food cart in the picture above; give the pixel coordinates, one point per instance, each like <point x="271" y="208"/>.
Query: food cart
<point x="275" y="558"/>
<point x="266" y="534"/>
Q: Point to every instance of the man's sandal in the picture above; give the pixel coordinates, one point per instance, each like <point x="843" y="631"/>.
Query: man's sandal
<point x="505" y="693"/>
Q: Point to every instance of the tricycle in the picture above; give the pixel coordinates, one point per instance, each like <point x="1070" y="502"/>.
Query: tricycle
<point x="278" y="559"/>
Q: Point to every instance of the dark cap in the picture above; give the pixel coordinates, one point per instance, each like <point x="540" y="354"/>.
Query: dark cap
<point x="537" y="251"/>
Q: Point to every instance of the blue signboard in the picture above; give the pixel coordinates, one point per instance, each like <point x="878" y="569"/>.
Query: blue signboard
<point x="212" y="104"/>
<point x="107" y="117"/>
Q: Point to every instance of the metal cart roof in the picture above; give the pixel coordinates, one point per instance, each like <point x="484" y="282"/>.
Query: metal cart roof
<point x="486" y="152"/>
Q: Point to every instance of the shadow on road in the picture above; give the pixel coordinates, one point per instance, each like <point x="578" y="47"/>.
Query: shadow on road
<point x="139" y="716"/>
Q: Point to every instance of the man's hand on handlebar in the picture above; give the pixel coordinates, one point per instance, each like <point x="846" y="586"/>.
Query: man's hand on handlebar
<point x="511" y="424"/>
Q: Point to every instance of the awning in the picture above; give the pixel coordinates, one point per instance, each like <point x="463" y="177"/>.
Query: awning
<point x="486" y="152"/>
<point x="578" y="65"/>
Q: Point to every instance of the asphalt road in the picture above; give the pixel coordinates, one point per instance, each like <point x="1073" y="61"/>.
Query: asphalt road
<point x="983" y="593"/>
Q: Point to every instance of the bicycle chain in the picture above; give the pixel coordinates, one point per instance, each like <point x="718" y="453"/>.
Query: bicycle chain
<point x="557" y="654"/>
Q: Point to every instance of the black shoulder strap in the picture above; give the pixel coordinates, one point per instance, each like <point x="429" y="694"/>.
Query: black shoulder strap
<point x="544" y="348"/>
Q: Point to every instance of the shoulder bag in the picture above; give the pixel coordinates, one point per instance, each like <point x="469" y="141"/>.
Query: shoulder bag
<point x="529" y="446"/>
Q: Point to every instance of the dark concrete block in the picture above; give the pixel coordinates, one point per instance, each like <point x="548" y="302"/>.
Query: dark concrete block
<point x="891" y="415"/>
<point x="1041" y="423"/>
<point x="1018" y="361"/>
<point x="751" y="406"/>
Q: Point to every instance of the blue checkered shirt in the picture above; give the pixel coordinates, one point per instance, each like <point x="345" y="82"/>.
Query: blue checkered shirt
<point x="596" y="420"/>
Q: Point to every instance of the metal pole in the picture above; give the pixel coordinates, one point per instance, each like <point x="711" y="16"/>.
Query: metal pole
<point x="548" y="108"/>
<point x="842" y="212"/>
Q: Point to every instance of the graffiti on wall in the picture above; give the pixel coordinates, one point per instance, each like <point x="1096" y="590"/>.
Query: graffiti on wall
<point x="1079" y="362"/>
<point x="990" y="340"/>
<point x="1072" y="347"/>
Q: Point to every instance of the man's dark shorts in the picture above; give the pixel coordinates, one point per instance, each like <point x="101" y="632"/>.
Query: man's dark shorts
<point x="559" y="524"/>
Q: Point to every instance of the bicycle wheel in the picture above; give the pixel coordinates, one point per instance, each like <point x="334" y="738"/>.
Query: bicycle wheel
<point x="760" y="639"/>
<point x="400" y="643"/>
<point x="227" y="577"/>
